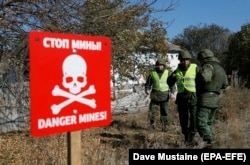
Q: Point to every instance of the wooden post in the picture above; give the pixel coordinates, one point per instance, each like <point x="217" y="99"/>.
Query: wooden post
<point x="74" y="148"/>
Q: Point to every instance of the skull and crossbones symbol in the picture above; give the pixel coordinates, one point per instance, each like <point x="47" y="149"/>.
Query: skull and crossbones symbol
<point x="74" y="79"/>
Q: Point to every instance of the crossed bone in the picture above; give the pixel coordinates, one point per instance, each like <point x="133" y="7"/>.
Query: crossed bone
<point x="56" y="108"/>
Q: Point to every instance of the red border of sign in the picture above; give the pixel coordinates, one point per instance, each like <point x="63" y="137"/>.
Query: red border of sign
<point x="48" y="54"/>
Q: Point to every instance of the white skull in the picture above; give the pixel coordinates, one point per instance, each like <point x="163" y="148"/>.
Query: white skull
<point x="74" y="73"/>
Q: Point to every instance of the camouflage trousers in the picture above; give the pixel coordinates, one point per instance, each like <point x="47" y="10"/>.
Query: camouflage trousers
<point x="205" y="123"/>
<point x="156" y="105"/>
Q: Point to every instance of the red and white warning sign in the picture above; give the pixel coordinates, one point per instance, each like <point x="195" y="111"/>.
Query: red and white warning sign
<point x="69" y="82"/>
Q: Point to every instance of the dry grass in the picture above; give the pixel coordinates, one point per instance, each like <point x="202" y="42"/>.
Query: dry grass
<point x="109" y="145"/>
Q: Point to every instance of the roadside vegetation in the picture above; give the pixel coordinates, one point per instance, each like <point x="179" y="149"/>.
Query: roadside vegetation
<point x="110" y="145"/>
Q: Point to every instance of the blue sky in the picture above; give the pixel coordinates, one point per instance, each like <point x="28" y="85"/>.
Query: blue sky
<point x="231" y="14"/>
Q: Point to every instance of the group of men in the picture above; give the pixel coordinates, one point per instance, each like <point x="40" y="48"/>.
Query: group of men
<point x="198" y="94"/>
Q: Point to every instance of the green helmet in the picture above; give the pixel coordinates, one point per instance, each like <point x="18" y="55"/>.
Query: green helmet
<point x="184" y="55"/>
<point x="205" y="53"/>
<point x="160" y="62"/>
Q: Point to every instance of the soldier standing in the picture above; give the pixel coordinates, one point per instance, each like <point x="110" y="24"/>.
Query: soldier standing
<point x="210" y="80"/>
<point x="184" y="77"/>
<point x="159" y="95"/>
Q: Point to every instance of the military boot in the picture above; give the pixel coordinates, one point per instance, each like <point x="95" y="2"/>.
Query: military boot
<point x="186" y="138"/>
<point x="191" y="138"/>
<point x="164" y="126"/>
<point x="152" y="125"/>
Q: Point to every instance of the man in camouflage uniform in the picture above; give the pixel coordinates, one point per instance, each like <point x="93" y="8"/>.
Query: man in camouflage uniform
<point x="184" y="78"/>
<point x="210" y="80"/>
<point x="159" y="95"/>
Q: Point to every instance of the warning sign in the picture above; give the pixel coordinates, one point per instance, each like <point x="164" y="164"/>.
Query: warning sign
<point x="69" y="82"/>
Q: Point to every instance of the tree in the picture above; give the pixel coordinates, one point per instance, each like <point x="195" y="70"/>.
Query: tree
<point x="127" y="23"/>
<point x="239" y="50"/>
<point x="118" y="19"/>
<point x="195" y="38"/>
